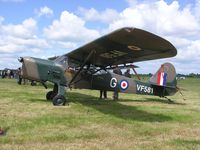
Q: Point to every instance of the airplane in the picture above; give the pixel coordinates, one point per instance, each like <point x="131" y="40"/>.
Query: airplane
<point x="90" y="66"/>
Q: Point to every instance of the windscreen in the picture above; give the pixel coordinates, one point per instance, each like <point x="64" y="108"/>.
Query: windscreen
<point x="62" y="60"/>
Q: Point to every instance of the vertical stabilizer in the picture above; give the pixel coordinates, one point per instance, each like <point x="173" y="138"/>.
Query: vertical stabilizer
<point x="165" y="76"/>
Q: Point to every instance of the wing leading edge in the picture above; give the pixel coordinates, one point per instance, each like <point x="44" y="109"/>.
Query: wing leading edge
<point x="125" y="45"/>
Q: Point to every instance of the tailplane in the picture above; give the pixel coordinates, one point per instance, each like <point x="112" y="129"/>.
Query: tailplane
<point x="164" y="80"/>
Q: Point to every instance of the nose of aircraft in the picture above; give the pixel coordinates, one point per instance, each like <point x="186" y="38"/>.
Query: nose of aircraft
<point x="42" y="70"/>
<point x="20" y="59"/>
<point x="29" y="68"/>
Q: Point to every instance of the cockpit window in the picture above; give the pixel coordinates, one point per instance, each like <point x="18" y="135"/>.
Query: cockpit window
<point x="62" y="60"/>
<point x="101" y="72"/>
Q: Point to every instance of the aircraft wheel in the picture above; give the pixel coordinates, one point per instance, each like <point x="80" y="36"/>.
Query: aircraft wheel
<point x="59" y="100"/>
<point x="50" y="95"/>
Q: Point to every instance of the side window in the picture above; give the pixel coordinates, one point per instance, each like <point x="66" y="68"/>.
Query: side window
<point x="64" y="63"/>
<point x="101" y="72"/>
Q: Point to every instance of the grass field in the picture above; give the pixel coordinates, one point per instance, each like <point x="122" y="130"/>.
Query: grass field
<point x="133" y="122"/>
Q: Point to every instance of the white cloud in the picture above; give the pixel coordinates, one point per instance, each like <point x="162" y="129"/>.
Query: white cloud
<point x="69" y="28"/>
<point x="191" y="52"/>
<point x="44" y="11"/>
<point x="20" y="37"/>
<point x="132" y="3"/>
<point x="1" y="19"/>
<point x="178" y="42"/>
<point x="68" y="45"/>
<point x="197" y="9"/>
<point x="92" y="14"/>
<point x="188" y="49"/>
<point x="9" y="61"/>
<point x="24" y="30"/>
<point x="159" y="17"/>
<point x="178" y="24"/>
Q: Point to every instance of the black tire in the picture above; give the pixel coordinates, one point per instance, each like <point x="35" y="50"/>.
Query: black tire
<point x="59" y="100"/>
<point x="50" y="95"/>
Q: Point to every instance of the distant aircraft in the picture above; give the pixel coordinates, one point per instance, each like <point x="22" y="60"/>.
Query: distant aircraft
<point x="89" y="67"/>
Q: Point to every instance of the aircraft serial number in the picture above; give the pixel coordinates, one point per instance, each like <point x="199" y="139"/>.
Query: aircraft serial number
<point x="144" y="89"/>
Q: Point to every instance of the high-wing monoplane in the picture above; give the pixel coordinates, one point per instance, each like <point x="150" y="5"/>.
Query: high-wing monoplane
<point x="90" y="66"/>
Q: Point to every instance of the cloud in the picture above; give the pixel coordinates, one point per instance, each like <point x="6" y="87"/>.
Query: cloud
<point x="20" y="37"/>
<point x="1" y="19"/>
<point x="24" y="30"/>
<point x="132" y="3"/>
<point x="9" y="61"/>
<point x="92" y="14"/>
<point x="159" y="17"/>
<point x="188" y="49"/>
<point x="44" y="11"/>
<point x="177" y="23"/>
<point x="191" y="52"/>
<point x="69" y="28"/>
<point x="197" y="9"/>
<point x="180" y="25"/>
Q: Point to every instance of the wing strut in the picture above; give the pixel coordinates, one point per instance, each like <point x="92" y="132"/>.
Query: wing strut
<point x="135" y="73"/>
<point x="85" y="61"/>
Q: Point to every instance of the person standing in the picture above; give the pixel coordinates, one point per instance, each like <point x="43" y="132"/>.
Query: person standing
<point x="11" y="74"/>
<point x="103" y="94"/>
<point x="118" y="71"/>
<point x="8" y="74"/>
<point x="19" y="72"/>
<point x="127" y="73"/>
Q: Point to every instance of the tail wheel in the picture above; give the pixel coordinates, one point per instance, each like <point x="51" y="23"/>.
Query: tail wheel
<point x="50" y="95"/>
<point x="59" y="100"/>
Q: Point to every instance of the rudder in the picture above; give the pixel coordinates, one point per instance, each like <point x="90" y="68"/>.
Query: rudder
<point x="165" y="76"/>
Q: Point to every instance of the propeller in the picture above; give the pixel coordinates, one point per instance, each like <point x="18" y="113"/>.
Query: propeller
<point x="20" y="59"/>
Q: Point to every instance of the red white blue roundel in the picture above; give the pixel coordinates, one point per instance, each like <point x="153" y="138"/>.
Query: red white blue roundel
<point x="124" y="84"/>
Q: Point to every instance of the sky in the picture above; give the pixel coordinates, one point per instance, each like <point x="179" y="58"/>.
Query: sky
<point x="46" y="28"/>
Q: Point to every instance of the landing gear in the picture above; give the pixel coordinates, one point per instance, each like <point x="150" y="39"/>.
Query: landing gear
<point x="59" y="100"/>
<point x="50" y="95"/>
<point x="57" y="95"/>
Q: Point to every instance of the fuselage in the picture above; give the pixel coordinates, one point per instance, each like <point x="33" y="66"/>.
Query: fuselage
<point x="45" y="70"/>
<point x="106" y="80"/>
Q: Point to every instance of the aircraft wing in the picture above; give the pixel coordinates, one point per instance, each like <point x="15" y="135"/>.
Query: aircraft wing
<point x="125" y="45"/>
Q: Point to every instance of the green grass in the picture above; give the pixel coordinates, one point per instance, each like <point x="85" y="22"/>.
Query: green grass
<point x="133" y="122"/>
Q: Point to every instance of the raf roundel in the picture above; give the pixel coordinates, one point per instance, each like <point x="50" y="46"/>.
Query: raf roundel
<point x="124" y="84"/>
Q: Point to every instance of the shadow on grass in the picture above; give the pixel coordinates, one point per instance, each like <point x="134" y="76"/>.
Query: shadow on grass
<point x="116" y="109"/>
<point x="38" y="100"/>
<point x="163" y="101"/>
<point x="154" y="100"/>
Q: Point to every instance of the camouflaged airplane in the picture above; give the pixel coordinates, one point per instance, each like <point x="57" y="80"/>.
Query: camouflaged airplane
<point x="89" y="67"/>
